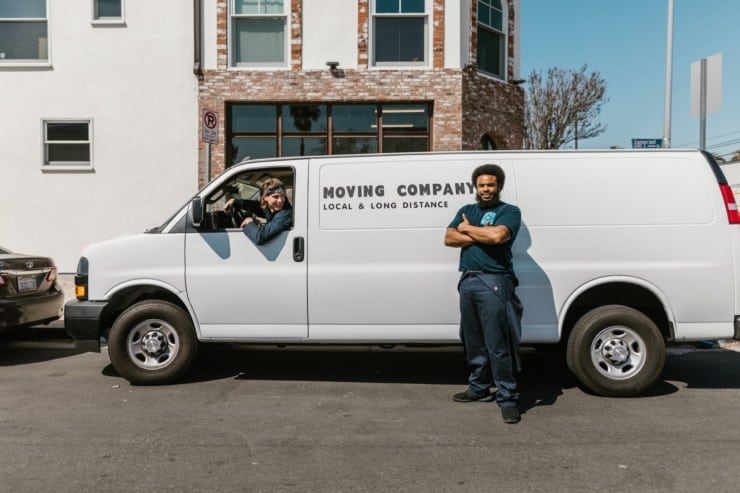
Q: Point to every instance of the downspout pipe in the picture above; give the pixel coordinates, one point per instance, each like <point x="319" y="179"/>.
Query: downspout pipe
<point x="197" y="38"/>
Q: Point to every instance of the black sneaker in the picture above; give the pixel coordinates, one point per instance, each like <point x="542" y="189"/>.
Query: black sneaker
<point x="510" y="414"/>
<point x="465" y="397"/>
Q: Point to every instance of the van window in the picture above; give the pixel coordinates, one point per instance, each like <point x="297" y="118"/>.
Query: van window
<point x="246" y="186"/>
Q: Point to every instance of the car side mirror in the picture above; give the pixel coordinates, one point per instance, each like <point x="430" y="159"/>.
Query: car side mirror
<point x="196" y="211"/>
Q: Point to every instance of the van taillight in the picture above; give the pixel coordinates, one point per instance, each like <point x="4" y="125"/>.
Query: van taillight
<point x="729" y="197"/>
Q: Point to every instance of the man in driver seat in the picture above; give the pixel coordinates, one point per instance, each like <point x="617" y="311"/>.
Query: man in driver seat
<point x="273" y="207"/>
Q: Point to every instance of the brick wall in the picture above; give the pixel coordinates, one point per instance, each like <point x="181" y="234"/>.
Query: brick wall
<point x="442" y="87"/>
<point x="466" y="105"/>
<point x="493" y="108"/>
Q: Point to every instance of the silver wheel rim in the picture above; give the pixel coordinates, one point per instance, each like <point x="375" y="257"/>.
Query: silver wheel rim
<point x="618" y="352"/>
<point x="152" y="344"/>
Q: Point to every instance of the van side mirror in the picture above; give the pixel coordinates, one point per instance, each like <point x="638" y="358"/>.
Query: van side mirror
<point x="196" y="211"/>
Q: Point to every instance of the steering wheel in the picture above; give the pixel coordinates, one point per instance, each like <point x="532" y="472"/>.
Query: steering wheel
<point x="236" y="216"/>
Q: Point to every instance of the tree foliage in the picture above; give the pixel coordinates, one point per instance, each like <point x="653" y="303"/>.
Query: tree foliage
<point x="562" y="107"/>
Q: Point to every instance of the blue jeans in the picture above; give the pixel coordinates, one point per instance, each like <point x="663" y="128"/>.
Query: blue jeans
<point x="490" y="330"/>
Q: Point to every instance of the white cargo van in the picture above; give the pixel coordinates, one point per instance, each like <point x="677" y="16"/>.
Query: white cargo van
<point x="619" y="253"/>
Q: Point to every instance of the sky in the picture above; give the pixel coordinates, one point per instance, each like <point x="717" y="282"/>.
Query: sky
<point x="625" y="41"/>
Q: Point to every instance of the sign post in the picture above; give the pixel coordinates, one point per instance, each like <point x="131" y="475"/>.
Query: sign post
<point x="706" y="91"/>
<point x="210" y="136"/>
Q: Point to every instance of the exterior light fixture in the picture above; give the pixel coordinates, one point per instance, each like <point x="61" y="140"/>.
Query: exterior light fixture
<point x="335" y="70"/>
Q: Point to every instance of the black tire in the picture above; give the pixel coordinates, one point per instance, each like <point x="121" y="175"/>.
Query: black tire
<point x="152" y="342"/>
<point x="616" y="351"/>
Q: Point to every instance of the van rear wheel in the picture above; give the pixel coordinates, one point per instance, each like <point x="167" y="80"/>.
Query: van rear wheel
<point x="152" y="342"/>
<point x="616" y="351"/>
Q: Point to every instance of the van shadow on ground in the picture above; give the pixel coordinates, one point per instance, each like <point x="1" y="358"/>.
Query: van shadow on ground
<point x="544" y="377"/>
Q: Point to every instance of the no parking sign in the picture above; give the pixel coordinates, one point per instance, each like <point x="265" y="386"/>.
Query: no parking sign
<point x="210" y="126"/>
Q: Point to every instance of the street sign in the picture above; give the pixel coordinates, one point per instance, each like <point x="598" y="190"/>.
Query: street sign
<point x="210" y="126"/>
<point x="707" y="87"/>
<point x="647" y="143"/>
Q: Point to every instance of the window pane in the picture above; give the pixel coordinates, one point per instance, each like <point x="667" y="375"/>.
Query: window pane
<point x="484" y="14"/>
<point x="354" y="118"/>
<point x="22" y="9"/>
<point x="246" y="6"/>
<point x="304" y="146"/>
<point x="399" y="39"/>
<point x="490" y="13"/>
<point x="412" y="6"/>
<point x="405" y="144"/>
<point x="259" y="40"/>
<point x="387" y="6"/>
<point x="354" y="145"/>
<point x="67" y="131"/>
<point x="496" y="20"/>
<point x="304" y="118"/>
<point x="254" y="147"/>
<point x="68" y="152"/>
<point x="23" y="41"/>
<point x="273" y="6"/>
<point x="258" y="6"/>
<point x="107" y="8"/>
<point x="490" y="48"/>
<point x="405" y="119"/>
<point x="254" y="118"/>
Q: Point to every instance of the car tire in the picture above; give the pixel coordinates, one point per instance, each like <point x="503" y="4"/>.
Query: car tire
<point x="152" y="342"/>
<point x="616" y="351"/>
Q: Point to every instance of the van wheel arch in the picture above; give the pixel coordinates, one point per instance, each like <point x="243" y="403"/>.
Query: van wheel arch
<point x="618" y="293"/>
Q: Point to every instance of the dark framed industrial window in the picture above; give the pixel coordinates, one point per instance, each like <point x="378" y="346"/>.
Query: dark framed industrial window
<point x="305" y="129"/>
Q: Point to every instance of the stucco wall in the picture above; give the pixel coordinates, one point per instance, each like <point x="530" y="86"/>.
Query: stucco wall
<point x="136" y="83"/>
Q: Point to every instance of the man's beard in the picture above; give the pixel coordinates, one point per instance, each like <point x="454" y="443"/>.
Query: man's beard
<point x="488" y="204"/>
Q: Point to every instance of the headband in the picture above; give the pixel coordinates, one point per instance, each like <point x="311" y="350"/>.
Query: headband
<point x="270" y="191"/>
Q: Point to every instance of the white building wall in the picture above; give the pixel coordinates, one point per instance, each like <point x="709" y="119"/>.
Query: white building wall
<point x="453" y="38"/>
<point x="136" y="84"/>
<point x="329" y="33"/>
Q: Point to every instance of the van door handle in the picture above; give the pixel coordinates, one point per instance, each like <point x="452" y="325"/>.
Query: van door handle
<point x="298" y="248"/>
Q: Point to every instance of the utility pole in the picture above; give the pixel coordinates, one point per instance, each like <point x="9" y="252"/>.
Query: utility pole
<point x="668" y="78"/>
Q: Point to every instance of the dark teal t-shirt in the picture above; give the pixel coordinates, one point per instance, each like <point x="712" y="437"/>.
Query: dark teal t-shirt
<point x="493" y="259"/>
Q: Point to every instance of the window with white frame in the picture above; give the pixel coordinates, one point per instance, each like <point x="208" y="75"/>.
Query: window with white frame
<point x="107" y="11"/>
<point x="400" y="32"/>
<point x="259" y="33"/>
<point x="491" y="38"/>
<point x="67" y="143"/>
<point x="24" y="31"/>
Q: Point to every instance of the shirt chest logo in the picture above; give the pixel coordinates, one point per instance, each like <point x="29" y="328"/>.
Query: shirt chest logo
<point x="488" y="219"/>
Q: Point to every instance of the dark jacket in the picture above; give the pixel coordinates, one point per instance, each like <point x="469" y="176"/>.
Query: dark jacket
<point x="276" y="223"/>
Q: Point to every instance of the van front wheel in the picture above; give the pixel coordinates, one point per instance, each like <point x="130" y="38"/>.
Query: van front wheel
<point x="616" y="351"/>
<point x="152" y="342"/>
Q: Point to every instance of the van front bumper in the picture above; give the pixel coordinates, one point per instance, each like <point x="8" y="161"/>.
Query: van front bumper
<point x="83" y="323"/>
